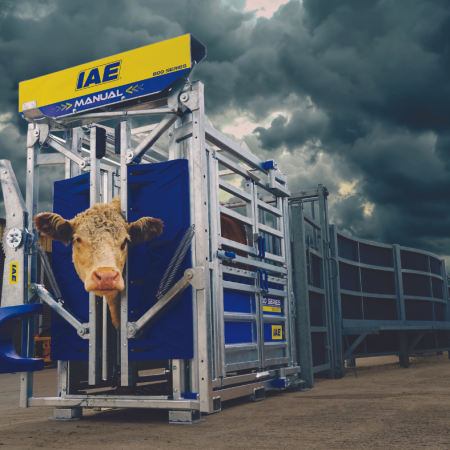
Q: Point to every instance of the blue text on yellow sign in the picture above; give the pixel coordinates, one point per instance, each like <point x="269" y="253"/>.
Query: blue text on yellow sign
<point x="13" y="273"/>
<point x="277" y="332"/>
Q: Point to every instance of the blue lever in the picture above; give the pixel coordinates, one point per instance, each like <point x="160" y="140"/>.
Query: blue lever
<point x="263" y="283"/>
<point x="266" y="276"/>
<point x="262" y="247"/>
<point x="10" y="316"/>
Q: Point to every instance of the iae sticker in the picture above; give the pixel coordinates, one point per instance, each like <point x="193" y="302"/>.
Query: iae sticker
<point x="277" y="332"/>
<point x="98" y="75"/>
<point x="13" y="273"/>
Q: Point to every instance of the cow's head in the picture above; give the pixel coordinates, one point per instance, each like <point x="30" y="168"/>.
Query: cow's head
<point x="100" y="237"/>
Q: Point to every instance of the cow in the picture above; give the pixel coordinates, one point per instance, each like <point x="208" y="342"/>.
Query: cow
<point x="100" y="236"/>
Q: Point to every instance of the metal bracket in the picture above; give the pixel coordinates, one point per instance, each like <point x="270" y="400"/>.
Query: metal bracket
<point x="194" y="277"/>
<point x="14" y="237"/>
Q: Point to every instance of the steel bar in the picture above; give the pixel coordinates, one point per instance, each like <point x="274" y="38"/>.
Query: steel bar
<point x="135" y="327"/>
<point x="151" y="139"/>
<point x="59" y="308"/>
<point x="355" y="344"/>
<point x="125" y="143"/>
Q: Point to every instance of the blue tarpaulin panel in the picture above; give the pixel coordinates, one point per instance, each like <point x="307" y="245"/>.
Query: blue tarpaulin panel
<point x="70" y="197"/>
<point x="158" y="190"/>
<point x="161" y="191"/>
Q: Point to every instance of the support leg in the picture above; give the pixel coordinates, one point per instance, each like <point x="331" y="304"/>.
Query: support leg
<point x="67" y="413"/>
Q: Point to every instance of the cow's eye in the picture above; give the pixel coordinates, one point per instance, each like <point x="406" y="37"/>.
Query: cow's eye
<point x="79" y="240"/>
<point x="124" y="244"/>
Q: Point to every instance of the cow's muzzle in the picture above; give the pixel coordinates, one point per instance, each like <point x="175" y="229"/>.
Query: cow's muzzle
<point x="106" y="279"/>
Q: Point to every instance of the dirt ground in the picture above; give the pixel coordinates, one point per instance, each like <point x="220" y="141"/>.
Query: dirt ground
<point x="386" y="406"/>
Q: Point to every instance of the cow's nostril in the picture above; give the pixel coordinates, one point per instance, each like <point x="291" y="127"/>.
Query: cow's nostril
<point x="97" y="277"/>
<point x="116" y="277"/>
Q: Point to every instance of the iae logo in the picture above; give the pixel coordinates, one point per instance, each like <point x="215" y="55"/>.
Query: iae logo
<point x="277" y="332"/>
<point x="98" y="75"/>
<point x="13" y="273"/>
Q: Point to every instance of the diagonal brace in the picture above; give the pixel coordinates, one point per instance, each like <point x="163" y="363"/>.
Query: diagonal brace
<point x="415" y="341"/>
<point x="355" y="344"/>
<point x="194" y="277"/>
<point x="82" y="329"/>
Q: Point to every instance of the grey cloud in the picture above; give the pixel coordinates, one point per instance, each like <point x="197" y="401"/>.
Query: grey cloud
<point x="362" y="87"/>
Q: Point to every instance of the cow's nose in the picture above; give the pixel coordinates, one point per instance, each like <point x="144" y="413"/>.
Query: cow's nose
<point x="106" y="279"/>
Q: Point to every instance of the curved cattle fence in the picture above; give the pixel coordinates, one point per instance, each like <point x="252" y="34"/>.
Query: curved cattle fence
<point x="358" y="298"/>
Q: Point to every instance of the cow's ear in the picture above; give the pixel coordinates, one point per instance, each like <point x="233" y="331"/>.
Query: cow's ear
<point x="54" y="226"/>
<point x="115" y="203"/>
<point x="145" y="229"/>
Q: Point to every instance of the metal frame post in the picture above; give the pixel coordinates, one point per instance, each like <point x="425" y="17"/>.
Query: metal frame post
<point x="301" y="295"/>
<point x="125" y="144"/>
<point x="199" y="200"/>
<point x="94" y="303"/>
<point x="403" y="356"/>
<point x="336" y="302"/>
<point x="32" y="195"/>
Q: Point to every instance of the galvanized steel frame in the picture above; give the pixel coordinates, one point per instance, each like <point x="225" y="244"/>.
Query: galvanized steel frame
<point x="209" y="374"/>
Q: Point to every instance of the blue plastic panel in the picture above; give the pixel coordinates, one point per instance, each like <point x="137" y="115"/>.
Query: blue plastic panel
<point x="161" y="191"/>
<point x="70" y="197"/>
<point x="238" y="301"/>
<point x="238" y="333"/>
<point x="10" y="316"/>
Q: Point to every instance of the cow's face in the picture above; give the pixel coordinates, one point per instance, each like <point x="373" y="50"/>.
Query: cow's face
<point x="100" y="237"/>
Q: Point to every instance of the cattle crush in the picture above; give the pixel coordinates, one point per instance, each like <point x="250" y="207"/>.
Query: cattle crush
<point x="206" y="314"/>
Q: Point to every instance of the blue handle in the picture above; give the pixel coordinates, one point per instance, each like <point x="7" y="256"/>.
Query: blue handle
<point x="266" y="275"/>
<point x="262" y="247"/>
<point x="263" y="280"/>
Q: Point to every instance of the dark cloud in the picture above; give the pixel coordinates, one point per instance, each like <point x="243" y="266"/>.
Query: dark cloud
<point x="360" y="89"/>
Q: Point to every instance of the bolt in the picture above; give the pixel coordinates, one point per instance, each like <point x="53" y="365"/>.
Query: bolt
<point x="64" y="389"/>
<point x="174" y="367"/>
<point x="124" y="310"/>
<point x="13" y="214"/>
<point x="124" y="345"/>
<point x="5" y="171"/>
<point x="123" y="97"/>
<point x="90" y="345"/>
<point x="90" y="312"/>
<point x="174" y="389"/>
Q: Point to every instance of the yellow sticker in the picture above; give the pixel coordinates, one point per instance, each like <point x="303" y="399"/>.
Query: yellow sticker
<point x="277" y="332"/>
<point x="13" y="273"/>
<point x="271" y="309"/>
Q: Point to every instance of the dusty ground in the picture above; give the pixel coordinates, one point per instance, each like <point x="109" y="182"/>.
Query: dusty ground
<point x="386" y="406"/>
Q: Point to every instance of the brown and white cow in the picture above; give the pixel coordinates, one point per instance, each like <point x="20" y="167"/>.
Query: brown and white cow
<point x="100" y="237"/>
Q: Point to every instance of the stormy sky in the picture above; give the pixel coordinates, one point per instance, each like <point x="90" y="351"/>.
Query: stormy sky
<point x="353" y="94"/>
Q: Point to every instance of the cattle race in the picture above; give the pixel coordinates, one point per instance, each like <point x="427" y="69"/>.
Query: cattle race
<point x="187" y="276"/>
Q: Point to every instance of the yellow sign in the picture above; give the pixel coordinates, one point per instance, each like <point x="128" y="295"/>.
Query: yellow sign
<point x="277" y="332"/>
<point x="271" y="309"/>
<point x="13" y="273"/>
<point x="136" y="73"/>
